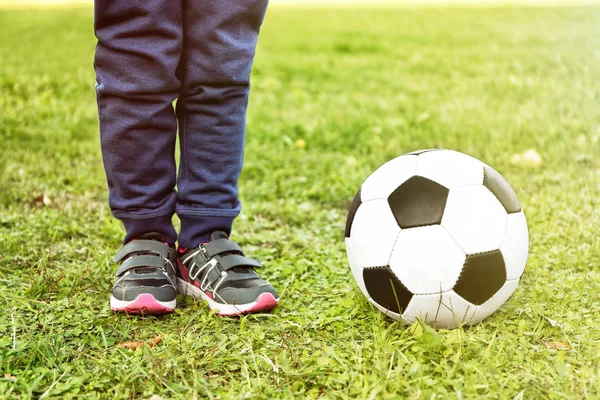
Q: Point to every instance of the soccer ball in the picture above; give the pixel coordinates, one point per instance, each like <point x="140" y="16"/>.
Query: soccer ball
<point x="439" y="236"/>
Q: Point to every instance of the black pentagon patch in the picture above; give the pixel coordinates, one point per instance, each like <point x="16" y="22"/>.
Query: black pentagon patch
<point x="418" y="202"/>
<point x="352" y="212"/>
<point x="482" y="276"/>
<point x="501" y="189"/>
<point x="385" y="289"/>
<point x="417" y="152"/>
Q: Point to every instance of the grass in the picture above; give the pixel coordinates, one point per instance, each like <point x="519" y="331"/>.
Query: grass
<point x="336" y="92"/>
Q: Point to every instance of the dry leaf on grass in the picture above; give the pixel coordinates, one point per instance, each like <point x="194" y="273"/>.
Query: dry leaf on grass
<point x="42" y="198"/>
<point x="155" y="341"/>
<point x="529" y="158"/>
<point x="560" y="346"/>
<point x="140" y="343"/>
<point x="9" y="377"/>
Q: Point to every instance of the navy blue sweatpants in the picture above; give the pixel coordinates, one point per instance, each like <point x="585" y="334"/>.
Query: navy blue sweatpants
<point x="150" y="53"/>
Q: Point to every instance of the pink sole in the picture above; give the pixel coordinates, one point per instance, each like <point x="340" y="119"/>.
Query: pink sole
<point x="144" y="304"/>
<point x="265" y="302"/>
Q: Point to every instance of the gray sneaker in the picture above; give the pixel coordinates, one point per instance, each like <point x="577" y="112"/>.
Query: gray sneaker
<point x="219" y="273"/>
<point x="146" y="278"/>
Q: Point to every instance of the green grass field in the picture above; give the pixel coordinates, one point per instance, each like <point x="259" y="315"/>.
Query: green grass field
<point x="335" y="94"/>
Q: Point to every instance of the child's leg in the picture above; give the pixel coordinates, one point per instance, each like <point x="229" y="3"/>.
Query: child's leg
<point x="218" y="50"/>
<point x="139" y="47"/>
<point x="219" y="44"/>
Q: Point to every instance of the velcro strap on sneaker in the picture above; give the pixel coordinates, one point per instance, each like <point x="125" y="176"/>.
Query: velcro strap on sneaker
<point x="235" y="260"/>
<point x="240" y="276"/>
<point x="221" y="246"/>
<point x="213" y="277"/>
<point x="141" y="261"/>
<point x="140" y="246"/>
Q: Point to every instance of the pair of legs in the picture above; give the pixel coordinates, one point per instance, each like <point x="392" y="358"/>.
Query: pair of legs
<point x="149" y="54"/>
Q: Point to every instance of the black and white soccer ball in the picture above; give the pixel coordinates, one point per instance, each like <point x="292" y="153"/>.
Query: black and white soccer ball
<point x="439" y="236"/>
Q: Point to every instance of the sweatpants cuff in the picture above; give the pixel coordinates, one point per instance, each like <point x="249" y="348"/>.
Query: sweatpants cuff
<point x="196" y="229"/>
<point x="135" y="227"/>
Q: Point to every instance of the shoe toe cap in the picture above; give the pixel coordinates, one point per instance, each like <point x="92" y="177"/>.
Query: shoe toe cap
<point x="232" y="295"/>
<point x="132" y="291"/>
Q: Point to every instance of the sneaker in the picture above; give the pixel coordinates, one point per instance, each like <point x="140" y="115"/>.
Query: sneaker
<point x="146" y="278"/>
<point x="219" y="273"/>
